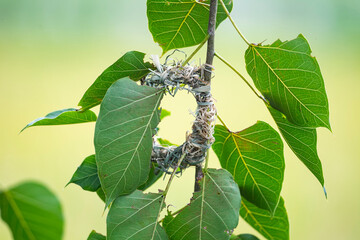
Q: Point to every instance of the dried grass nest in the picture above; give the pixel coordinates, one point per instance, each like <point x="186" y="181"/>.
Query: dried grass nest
<point x="173" y="77"/>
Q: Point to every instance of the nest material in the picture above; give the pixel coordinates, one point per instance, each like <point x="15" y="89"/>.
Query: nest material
<point x="174" y="77"/>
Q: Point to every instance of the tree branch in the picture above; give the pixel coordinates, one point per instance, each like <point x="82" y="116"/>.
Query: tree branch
<point x="209" y="61"/>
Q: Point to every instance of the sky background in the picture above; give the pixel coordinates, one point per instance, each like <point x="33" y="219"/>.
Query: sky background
<point x="52" y="51"/>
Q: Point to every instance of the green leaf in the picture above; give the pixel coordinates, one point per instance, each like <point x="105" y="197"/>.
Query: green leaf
<point x="290" y="79"/>
<point x="32" y="212"/>
<point x="255" y="158"/>
<point x="165" y="143"/>
<point x="123" y="136"/>
<point x="63" y="117"/>
<point x="130" y="65"/>
<point x="135" y="216"/>
<point x="101" y="194"/>
<point x="271" y="227"/>
<point x="86" y="175"/>
<point x="154" y="175"/>
<point x="243" y="237"/>
<point x="213" y="212"/>
<point x="178" y="24"/>
<point x="302" y="141"/>
<point x="164" y="113"/>
<point x="96" y="236"/>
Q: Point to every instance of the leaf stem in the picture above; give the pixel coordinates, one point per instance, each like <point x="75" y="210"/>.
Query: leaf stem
<point x="241" y="76"/>
<point x="233" y="23"/>
<point x="223" y="123"/>
<point x="196" y="50"/>
<point x="172" y="175"/>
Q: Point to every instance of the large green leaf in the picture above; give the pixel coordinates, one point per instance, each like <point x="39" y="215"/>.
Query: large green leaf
<point x="96" y="236"/>
<point x="302" y="141"/>
<point x="63" y="117"/>
<point x="123" y="136"/>
<point x="213" y="211"/>
<point x="86" y="175"/>
<point x="135" y="216"/>
<point x="131" y="65"/>
<point x="271" y="227"/>
<point x="32" y="212"/>
<point x="290" y="79"/>
<point x="179" y="24"/>
<point x="255" y="158"/>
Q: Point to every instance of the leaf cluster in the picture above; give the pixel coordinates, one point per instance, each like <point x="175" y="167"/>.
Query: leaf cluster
<point x="288" y="81"/>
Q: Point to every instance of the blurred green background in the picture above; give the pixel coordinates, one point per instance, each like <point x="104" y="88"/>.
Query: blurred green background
<point x="51" y="51"/>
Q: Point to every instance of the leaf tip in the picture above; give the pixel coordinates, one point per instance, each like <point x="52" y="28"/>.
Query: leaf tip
<point x="325" y="192"/>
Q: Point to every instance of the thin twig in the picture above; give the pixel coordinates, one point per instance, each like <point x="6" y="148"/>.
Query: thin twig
<point x="196" y="50"/>
<point x="172" y="175"/>
<point x="241" y="76"/>
<point x="233" y="23"/>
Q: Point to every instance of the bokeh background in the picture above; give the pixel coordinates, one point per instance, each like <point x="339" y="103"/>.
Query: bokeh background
<point x="51" y="51"/>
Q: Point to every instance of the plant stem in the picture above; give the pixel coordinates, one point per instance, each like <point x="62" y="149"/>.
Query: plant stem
<point x="172" y="175"/>
<point x="207" y="76"/>
<point x="211" y="42"/>
<point x="196" y="50"/>
<point x="241" y="76"/>
<point x="233" y="23"/>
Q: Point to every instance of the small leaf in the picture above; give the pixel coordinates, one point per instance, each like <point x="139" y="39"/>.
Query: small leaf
<point x="154" y="175"/>
<point x="271" y="227"/>
<point x="243" y="237"/>
<point x="165" y="143"/>
<point x="32" y="212"/>
<point x="123" y="136"/>
<point x="213" y="212"/>
<point x="131" y="65"/>
<point x="96" y="236"/>
<point x="302" y="141"/>
<point x="86" y="175"/>
<point x="178" y="24"/>
<point x="290" y="79"/>
<point x="164" y="113"/>
<point x="255" y="158"/>
<point x="135" y="216"/>
<point x="63" y="117"/>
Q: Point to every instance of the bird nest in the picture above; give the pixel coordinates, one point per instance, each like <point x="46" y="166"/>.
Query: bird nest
<point x="172" y="77"/>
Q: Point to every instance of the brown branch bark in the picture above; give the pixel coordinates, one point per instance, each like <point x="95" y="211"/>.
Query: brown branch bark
<point x="209" y="61"/>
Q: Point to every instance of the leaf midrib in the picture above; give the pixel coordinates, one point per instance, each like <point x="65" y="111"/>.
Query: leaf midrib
<point x="178" y="30"/>
<point x="19" y="215"/>
<point x="248" y="170"/>
<point x="256" y="221"/>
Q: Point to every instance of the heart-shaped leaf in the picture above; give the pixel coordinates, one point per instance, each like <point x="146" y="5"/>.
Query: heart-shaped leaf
<point x="131" y="65"/>
<point x="179" y="24"/>
<point x="123" y="136"/>
<point x="271" y="227"/>
<point x="135" y="216"/>
<point x="255" y="158"/>
<point x="212" y="212"/>
<point x="32" y="212"/>
<point x="63" y="117"/>
<point x="290" y="79"/>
